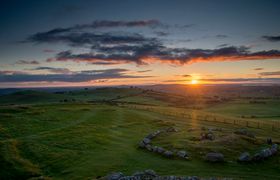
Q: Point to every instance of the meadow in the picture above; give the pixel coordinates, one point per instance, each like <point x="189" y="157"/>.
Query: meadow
<point x="90" y="133"/>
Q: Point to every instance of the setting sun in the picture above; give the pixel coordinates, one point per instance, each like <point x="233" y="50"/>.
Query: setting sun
<point x="194" y="81"/>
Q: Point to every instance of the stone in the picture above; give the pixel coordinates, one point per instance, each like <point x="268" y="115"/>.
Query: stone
<point x="210" y="136"/>
<point x="128" y="178"/>
<point x="160" y="150"/>
<point x="193" y="178"/>
<point x="182" y="154"/>
<point x="154" y="148"/>
<point x="146" y="141"/>
<point x="273" y="151"/>
<point x="168" y="153"/>
<point x="214" y="157"/>
<point x="257" y="157"/>
<point x="275" y="146"/>
<point x="141" y="144"/>
<point x="244" y="157"/>
<point x="244" y="132"/>
<point x="150" y="172"/>
<point x="265" y="153"/>
<point x="115" y="176"/>
<point x="171" y="129"/>
<point x="148" y="147"/>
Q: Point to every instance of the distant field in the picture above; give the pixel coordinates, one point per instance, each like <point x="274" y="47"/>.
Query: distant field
<point x="84" y="140"/>
<point x="269" y="110"/>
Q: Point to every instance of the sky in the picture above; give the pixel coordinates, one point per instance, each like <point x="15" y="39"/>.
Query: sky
<point x="132" y="42"/>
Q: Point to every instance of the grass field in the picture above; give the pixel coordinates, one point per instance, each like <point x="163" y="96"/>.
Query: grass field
<point x="82" y="140"/>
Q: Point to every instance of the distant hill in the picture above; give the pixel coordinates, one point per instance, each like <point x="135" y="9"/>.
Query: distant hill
<point x="30" y="96"/>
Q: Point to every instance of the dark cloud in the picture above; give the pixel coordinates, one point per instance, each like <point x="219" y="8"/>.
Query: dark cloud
<point x="82" y="76"/>
<point x="222" y="45"/>
<point x="32" y="62"/>
<point x="10" y="72"/>
<point x="274" y="73"/>
<point x="54" y="70"/>
<point x="146" y="53"/>
<point x="79" y="39"/>
<point x="161" y="33"/>
<point x="48" y="50"/>
<point x="113" y="24"/>
<point x="272" y="38"/>
<point x="108" y="48"/>
<point x="222" y="36"/>
<point x="186" y="76"/>
<point x="144" y="71"/>
<point x="258" y="69"/>
<point x="77" y="35"/>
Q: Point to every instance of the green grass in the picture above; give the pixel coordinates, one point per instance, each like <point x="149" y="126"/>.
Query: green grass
<point x="270" y="110"/>
<point x="83" y="141"/>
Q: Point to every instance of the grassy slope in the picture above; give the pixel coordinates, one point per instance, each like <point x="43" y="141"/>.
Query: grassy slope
<point x="270" y="110"/>
<point x="92" y="140"/>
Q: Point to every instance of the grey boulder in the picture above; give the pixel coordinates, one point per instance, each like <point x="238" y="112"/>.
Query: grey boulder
<point x="214" y="157"/>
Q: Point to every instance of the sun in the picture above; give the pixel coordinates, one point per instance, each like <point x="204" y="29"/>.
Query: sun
<point x="194" y="81"/>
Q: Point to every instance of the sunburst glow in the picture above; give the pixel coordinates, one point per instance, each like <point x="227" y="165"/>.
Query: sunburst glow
<point x="194" y="81"/>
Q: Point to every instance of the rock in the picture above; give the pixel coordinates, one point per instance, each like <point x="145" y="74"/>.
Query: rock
<point x="150" y="172"/>
<point x="160" y="150"/>
<point x="146" y="141"/>
<point x="182" y="154"/>
<point x="168" y="154"/>
<point x="127" y="178"/>
<point x="148" y="147"/>
<point x="115" y="176"/>
<point x="274" y="146"/>
<point x="274" y="149"/>
<point x="257" y="157"/>
<point x="265" y="153"/>
<point x="210" y="136"/>
<point x="244" y="157"/>
<point x="141" y="144"/>
<point x="138" y="174"/>
<point x="244" y="132"/>
<point x="171" y="129"/>
<point x="193" y="178"/>
<point x="154" y="148"/>
<point x="214" y="157"/>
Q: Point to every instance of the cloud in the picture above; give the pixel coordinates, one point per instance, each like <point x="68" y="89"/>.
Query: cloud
<point x="186" y="76"/>
<point x="48" y="50"/>
<point x="78" y="35"/>
<point x="144" y="71"/>
<point x="8" y="72"/>
<point x="148" y="53"/>
<point x="222" y="45"/>
<point x="109" y="48"/>
<point x="258" y="69"/>
<point x="79" y="39"/>
<point x="274" y="73"/>
<point x="32" y="62"/>
<point x="221" y="36"/>
<point x="54" y="70"/>
<point x="81" y="76"/>
<point x="271" y="38"/>
<point x="161" y="33"/>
